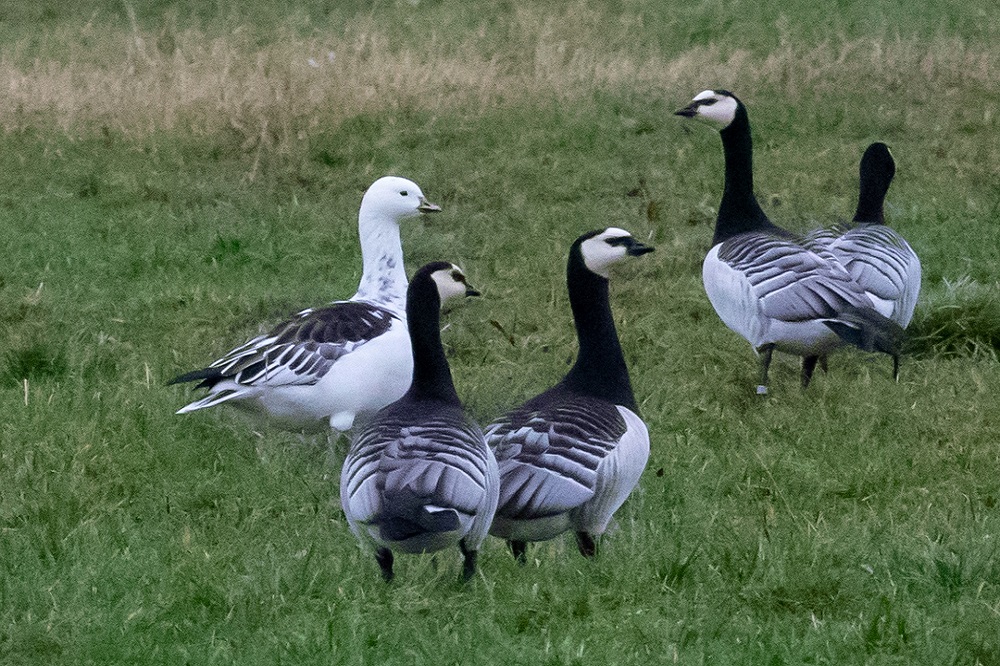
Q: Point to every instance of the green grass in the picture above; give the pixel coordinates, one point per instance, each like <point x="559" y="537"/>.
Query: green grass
<point x="855" y="523"/>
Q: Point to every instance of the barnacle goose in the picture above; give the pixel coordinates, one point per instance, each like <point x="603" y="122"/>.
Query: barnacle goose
<point x="763" y="282"/>
<point x="876" y="256"/>
<point x="325" y="366"/>
<point x="419" y="476"/>
<point x="570" y="457"/>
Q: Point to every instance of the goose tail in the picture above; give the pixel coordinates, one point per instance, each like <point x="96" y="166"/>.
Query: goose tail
<point x="869" y="331"/>
<point x="411" y="517"/>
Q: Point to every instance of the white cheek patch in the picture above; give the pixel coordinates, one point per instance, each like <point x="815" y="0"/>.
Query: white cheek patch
<point x="598" y="255"/>
<point x="447" y="286"/>
<point x="723" y="112"/>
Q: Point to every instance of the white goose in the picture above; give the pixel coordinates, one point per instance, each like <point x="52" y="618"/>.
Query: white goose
<point x="570" y="457"/>
<point x="419" y="476"/>
<point x="763" y="282"/>
<point x="326" y="366"/>
<point x="876" y="256"/>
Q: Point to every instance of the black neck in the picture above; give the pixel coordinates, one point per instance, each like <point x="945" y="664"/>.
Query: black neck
<point x="600" y="369"/>
<point x="739" y="211"/>
<point x="431" y="374"/>
<point x="871" y="196"/>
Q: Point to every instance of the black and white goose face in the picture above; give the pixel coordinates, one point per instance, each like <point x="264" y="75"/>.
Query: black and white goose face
<point x="604" y="248"/>
<point x="451" y="282"/>
<point x="396" y="198"/>
<point x="717" y="107"/>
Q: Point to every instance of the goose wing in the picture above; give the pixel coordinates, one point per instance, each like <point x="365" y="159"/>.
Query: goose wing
<point x="301" y="350"/>
<point x="429" y="477"/>
<point x="791" y="283"/>
<point x="549" y="454"/>
<point x="883" y="263"/>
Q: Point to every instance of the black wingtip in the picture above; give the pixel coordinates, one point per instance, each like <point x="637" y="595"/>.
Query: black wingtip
<point x="206" y="375"/>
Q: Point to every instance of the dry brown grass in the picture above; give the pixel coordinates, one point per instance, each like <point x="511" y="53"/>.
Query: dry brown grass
<point x="137" y="82"/>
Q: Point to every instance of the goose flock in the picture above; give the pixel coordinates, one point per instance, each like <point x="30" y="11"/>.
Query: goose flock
<point x="421" y="476"/>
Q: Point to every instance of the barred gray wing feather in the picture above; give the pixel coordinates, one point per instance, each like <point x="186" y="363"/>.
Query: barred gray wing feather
<point x="882" y="262"/>
<point x="360" y="487"/>
<point x="548" y="455"/>
<point x="444" y="463"/>
<point x="791" y="282"/>
<point x="398" y="474"/>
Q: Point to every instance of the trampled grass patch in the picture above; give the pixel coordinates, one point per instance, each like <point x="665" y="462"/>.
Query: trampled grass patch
<point x="181" y="176"/>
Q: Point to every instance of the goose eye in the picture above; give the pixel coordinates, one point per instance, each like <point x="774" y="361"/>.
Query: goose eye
<point x="457" y="277"/>
<point x="404" y="193"/>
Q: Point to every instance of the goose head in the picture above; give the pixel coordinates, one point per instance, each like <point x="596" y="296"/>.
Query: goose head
<point x="395" y="198"/>
<point x="716" y="107"/>
<point x="601" y="248"/>
<point x="878" y="157"/>
<point x="448" y="278"/>
<point x="876" y="172"/>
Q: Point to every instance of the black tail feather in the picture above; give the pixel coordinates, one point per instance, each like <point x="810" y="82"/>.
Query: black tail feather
<point x="869" y="331"/>
<point x="408" y="516"/>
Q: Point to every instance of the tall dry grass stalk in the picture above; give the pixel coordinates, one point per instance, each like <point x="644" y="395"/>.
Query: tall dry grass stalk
<point x="137" y="82"/>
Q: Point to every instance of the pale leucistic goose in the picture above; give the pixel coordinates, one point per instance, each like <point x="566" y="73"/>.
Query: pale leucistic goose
<point x="419" y="476"/>
<point x="570" y="457"/>
<point x="326" y="366"/>
<point x="763" y="282"/>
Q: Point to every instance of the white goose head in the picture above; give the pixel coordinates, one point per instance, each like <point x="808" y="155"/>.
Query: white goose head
<point x="387" y="202"/>
<point x="395" y="198"/>
<point x="600" y="249"/>
<point x="717" y="107"/>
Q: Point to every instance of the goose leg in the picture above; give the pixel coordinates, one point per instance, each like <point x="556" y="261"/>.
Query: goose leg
<point x="586" y="544"/>
<point x="469" y="566"/>
<point x="808" y="366"/>
<point x="765" y="351"/>
<point x="384" y="558"/>
<point x="822" y="363"/>
<point x="519" y="550"/>
<point x="895" y="367"/>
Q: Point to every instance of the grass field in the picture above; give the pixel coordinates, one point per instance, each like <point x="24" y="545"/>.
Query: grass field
<point x="179" y="173"/>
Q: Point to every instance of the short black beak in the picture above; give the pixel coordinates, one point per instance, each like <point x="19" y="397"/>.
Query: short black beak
<point x="469" y="291"/>
<point x="636" y="249"/>
<point x="689" y="111"/>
